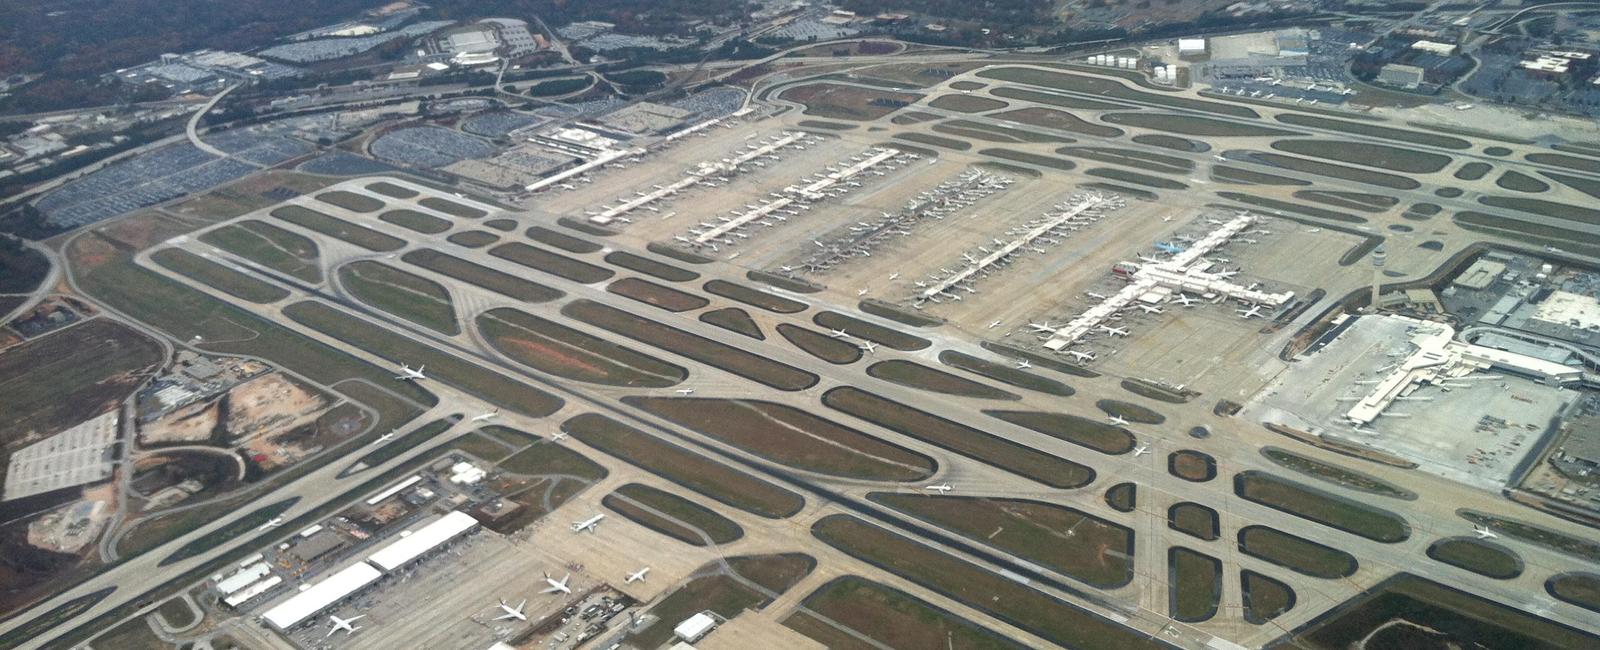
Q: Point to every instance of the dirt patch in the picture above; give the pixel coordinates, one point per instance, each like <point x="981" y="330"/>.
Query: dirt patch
<point x="565" y="352"/>
<point x="656" y="295"/>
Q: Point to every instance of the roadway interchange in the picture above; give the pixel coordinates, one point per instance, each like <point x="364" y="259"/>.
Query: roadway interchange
<point x="1143" y="602"/>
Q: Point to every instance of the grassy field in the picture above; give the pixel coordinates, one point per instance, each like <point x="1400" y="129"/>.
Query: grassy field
<point x="1171" y="142"/>
<point x="657" y="295"/>
<point x="68" y="376"/>
<point x="1156" y="391"/>
<point x="1265" y="598"/>
<point x="734" y="320"/>
<point x="1453" y="618"/>
<point x="1375" y="203"/>
<point x="1194" y="585"/>
<point x="269" y="246"/>
<point x="1581" y="589"/>
<point x="918" y="376"/>
<point x="1296" y="553"/>
<point x="1096" y="435"/>
<point x="1136" y="178"/>
<point x="1405" y="161"/>
<point x="552" y="263"/>
<point x="247" y="523"/>
<point x="967" y="103"/>
<point x="889" y="616"/>
<point x="336" y="228"/>
<point x="1570" y="162"/>
<point x="1335" y="474"/>
<point x="218" y="276"/>
<point x="1153" y="162"/>
<point x="1330" y="170"/>
<point x="683" y="467"/>
<point x="1520" y="182"/>
<point x="1193" y="125"/>
<point x="493" y="387"/>
<point x="21" y="268"/>
<point x="177" y="613"/>
<point x="473" y="238"/>
<point x="451" y="208"/>
<point x="1324" y="508"/>
<point x="1191" y="465"/>
<point x="477" y="274"/>
<point x="407" y="295"/>
<point x="1578" y="547"/>
<point x="1030" y="158"/>
<point x="819" y="345"/>
<point x="840" y="102"/>
<point x="545" y="459"/>
<point x="994" y="133"/>
<point x="1130" y="411"/>
<point x="1004" y="373"/>
<point x="737" y="361"/>
<point x="1587" y="186"/>
<point x="1195" y="520"/>
<point x="483" y="446"/>
<point x="720" y="593"/>
<point x="1248" y="177"/>
<point x="718" y="528"/>
<point x="502" y="225"/>
<point x="550" y="347"/>
<point x="1563" y="211"/>
<point x="1286" y="206"/>
<point x="351" y="201"/>
<point x="1527" y="231"/>
<point x="1480" y="557"/>
<point x="1050" y="618"/>
<point x="754" y="297"/>
<point x="1123" y="497"/>
<point x="1064" y="101"/>
<point x="1068" y="541"/>
<point x="935" y="140"/>
<point x="417" y="436"/>
<point x="1473" y="171"/>
<point x="561" y="240"/>
<point x="792" y="437"/>
<point x="1390" y="133"/>
<point x="1050" y="118"/>
<point x="959" y="438"/>
<point x="391" y="190"/>
<point x="829" y="126"/>
<point x="651" y="267"/>
<point x="1109" y="89"/>
<point x="912" y="117"/>
<point x="870" y="331"/>
<point x="416" y="221"/>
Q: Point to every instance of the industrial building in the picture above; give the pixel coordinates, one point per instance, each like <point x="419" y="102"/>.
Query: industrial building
<point x="415" y="544"/>
<point x="330" y="591"/>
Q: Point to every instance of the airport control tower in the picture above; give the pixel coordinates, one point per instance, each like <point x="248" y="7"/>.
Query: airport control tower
<point x="1379" y="256"/>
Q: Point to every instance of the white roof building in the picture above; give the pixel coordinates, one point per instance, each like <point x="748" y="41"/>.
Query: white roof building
<point x="322" y="595"/>
<point x="695" y="627"/>
<point x="417" y="543"/>
<point x="1191" y="46"/>
<point x="242" y="578"/>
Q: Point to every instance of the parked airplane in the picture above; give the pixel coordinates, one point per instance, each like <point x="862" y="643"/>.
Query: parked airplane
<point x="1081" y="356"/>
<point x="861" y="292"/>
<point x="1150" y="309"/>
<point x="636" y="576"/>
<point x="1119" y="420"/>
<point x="1169" y="247"/>
<point x="343" y="624"/>
<point x="512" y="612"/>
<point x="1114" y="331"/>
<point x="1141" y="450"/>
<point x="1183" y="299"/>
<point x="587" y="524"/>
<point x="1043" y="328"/>
<point x="941" y="488"/>
<point x="1484" y="532"/>
<point x="271" y="523"/>
<point x="486" y="416"/>
<point x="1252" y="312"/>
<point x="685" y="391"/>
<point x="1096" y="296"/>
<point x="994" y="324"/>
<point x="557" y="585"/>
<point x="1024" y="364"/>
<point x="558" y="436"/>
<point x="408" y="374"/>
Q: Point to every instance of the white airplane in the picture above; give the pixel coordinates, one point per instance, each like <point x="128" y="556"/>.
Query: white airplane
<point x="343" y="624"/>
<point x="1113" y="331"/>
<point x="894" y="276"/>
<point x="558" y="436"/>
<point x="408" y="374"/>
<point x="1044" y="327"/>
<point x="839" y="334"/>
<point x="384" y="438"/>
<point x="512" y="612"/>
<point x="486" y="416"/>
<point x="1096" y="296"/>
<point x="271" y="523"/>
<point x="636" y="576"/>
<point x="1119" y="420"/>
<point x="861" y="292"/>
<point x="869" y="347"/>
<point x="587" y="524"/>
<point x="1081" y="356"/>
<point x="1141" y="450"/>
<point x="994" y="324"/>
<point x="685" y="391"/>
<point x="557" y="585"/>
<point x="1223" y="275"/>
<point x="1252" y="312"/>
<point x="1024" y="364"/>
<point x="1484" y="532"/>
<point x="941" y="488"/>
<point x="1183" y="299"/>
<point x="1149" y="309"/>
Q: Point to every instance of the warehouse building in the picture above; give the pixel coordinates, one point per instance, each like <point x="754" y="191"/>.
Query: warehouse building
<point x="313" y="600"/>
